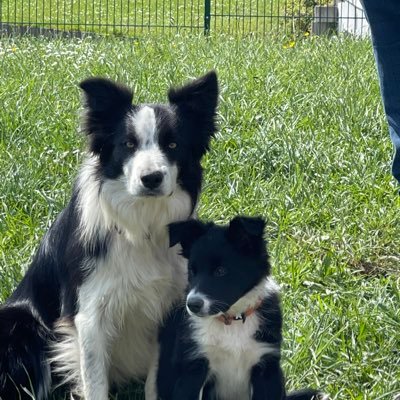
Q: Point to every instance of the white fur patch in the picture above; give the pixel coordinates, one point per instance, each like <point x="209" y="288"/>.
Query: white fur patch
<point x="94" y="220"/>
<point x="64" y="355"/>
<point x="151" y="380"/>
<point x="144" y="122"/>
<point x="232" y="350"/>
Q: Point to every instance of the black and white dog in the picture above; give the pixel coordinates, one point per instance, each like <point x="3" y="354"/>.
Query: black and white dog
<point x="225" y="344"/>
<point x="104" y="276"/>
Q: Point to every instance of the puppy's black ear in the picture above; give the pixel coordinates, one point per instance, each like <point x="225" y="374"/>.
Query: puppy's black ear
<point x="199" y="96"/>
<point x="246" y="234"/>
<point x="186" y="233"/>
<point x="106" y="103"/>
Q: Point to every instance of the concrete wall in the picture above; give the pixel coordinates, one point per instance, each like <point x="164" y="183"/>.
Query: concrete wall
<point x="351" y="18"/>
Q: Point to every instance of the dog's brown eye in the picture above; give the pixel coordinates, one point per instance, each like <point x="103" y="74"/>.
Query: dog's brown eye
<point x="130" y="145"/>
<point x="219" y="271"/>
<point x="172" y="145"/>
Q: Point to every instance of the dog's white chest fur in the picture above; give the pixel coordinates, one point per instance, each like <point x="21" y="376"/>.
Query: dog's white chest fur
<point x="130" y="295"/>
<point x="232" y="352"/>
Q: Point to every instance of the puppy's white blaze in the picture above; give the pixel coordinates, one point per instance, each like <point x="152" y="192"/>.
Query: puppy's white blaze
<point x="144" y="122"/>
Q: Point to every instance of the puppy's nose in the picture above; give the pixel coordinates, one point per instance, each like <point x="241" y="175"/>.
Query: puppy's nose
<point x="195" y="304"/>
<point x="153" y="180"/>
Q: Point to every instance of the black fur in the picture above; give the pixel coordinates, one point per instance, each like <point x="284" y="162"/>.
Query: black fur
<point x="23" y="360"/>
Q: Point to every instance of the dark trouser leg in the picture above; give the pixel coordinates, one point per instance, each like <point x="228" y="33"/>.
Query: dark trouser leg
<point x="384" y="20"/>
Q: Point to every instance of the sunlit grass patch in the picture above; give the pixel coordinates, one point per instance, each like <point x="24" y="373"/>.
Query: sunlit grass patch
<point x="302" y="141"/>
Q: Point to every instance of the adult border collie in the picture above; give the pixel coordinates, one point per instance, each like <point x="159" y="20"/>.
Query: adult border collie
<point x="104" y="275"/>
<point x="225" y="344"/>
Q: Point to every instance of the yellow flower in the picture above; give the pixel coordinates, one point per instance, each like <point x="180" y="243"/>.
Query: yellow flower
<point x="289" y="44"/>
<point x="306" y="33"/>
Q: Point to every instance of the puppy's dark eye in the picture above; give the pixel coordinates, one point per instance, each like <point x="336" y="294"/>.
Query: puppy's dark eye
<point x="172" y="145"/>
<point x="130" y="144"/>
<point x="219" y="271"/>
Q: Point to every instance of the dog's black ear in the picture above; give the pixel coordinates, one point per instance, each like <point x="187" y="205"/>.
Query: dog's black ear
<point x="199" y="96"/>
<point x="103" y="95"/>
<point x="246" y="234"/>
<point x="196" y="107"/>
<point x="186" y="233"/>
<point x="106" y="103"/>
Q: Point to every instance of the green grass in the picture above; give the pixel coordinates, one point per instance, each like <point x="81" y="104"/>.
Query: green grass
<point x="302" y="141"/>
<point x="135" y="17"/>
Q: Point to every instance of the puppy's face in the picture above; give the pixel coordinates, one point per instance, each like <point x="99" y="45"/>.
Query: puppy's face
<point x="225" y="263"/>
<point x="147" y="146"/>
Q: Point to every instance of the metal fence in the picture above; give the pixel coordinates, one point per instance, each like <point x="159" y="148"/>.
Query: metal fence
<point x="134" y="17"/>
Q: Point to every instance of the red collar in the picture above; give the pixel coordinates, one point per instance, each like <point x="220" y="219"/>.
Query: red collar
<point x="228" y="319"/>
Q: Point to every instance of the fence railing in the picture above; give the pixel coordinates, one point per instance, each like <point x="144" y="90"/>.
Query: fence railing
<point x="134" y="17"/>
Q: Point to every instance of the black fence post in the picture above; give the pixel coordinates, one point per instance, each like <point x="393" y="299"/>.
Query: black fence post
<point x="207" y="16"/>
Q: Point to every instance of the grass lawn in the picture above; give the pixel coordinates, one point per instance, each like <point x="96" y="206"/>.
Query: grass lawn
<point x="133" y="17"/>
<point x="302" y="141"/>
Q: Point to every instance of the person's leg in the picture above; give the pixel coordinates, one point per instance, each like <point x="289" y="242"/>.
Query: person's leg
<point x="384" y="19"/>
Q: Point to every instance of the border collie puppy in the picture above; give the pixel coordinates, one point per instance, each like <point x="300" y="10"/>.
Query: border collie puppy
<point x="104" y="276"/>
<point x="225" y="344"/>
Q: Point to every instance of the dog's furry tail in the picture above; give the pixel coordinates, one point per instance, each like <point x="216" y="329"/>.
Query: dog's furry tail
<point x="307" y="394"/>
<point x="24" y="369"/>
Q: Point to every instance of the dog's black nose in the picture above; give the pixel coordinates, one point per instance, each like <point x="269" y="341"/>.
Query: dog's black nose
<point x="153" y="180"/>
<point x="195" y="304"/>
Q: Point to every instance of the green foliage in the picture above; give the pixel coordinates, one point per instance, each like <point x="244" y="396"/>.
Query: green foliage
<point x="302" y="141"/>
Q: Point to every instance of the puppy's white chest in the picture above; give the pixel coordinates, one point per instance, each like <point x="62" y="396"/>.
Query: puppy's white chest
<point x="232" y="352"/>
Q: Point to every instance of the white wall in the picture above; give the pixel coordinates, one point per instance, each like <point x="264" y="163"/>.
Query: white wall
<point x="351" y="18"/>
